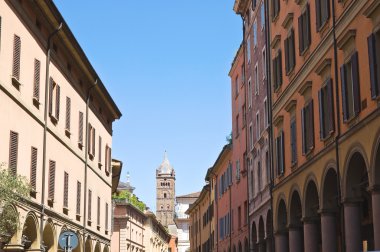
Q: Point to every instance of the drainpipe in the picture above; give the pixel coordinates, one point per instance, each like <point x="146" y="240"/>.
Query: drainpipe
<point x="338" y="184"/>
<point x="270" y="119"/>
<point x="47" y="77"/>
<point x="86" y="163"/>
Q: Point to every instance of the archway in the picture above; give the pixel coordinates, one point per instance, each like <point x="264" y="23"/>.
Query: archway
<point x="269" y="231"/>
<point x="79" y="248"/>
<point x="48" y="239"/>
<point x="246" y="245"/>
<point x="254" y="237"/>
<point x="358" y="206"/>
<point x="234" y="248"/>
<point x="97" y="247"/>
<point x="30" y="232"/>
<point x="88" y="245"/>
<point x="240" y="247"/>
<point x="262" y="245"/>
<point x="312" y="221"/>
<point x="295" y="226"/>
<point x="282" y="235"/>
<point x="106" y="249"/>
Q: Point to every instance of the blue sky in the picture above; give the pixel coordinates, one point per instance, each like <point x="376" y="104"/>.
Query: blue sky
<point x="166" y="64"/>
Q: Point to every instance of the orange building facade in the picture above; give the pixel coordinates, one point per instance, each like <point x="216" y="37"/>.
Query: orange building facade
<point x="326" y="131"/>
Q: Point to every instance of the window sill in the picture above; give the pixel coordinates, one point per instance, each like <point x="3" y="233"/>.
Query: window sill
<point x="323" y="28"/>
<point x="98" y="227"/>
<point x="50" y="202"/>
<point x="291" y="71"/>
<point x="106" y="232"/>
<point x="352" y="120"/>
<point x="78" y="217"/>
<point x="67" y="133"/>
<point x="100" y="165"/>
<point x="275" y="18"/>
<point x="309" y="153"/>
<point x="294" y="166"/>
<point x="16" y="83"/>
<point x="53" y="119"/>
<point x="89" y="222"/>
<point x="305" y="51"/>
<point x="36" y="102"/>
<point x="65" y="210"/>
<point x="80" y="145"/>
<point x="33" y="193"/>
<point x="107" y="173"/>
<point x="278" y="89"/>
<point x="91" y="156"/>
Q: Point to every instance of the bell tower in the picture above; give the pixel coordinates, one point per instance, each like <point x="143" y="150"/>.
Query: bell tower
<point x="165" y="192"/>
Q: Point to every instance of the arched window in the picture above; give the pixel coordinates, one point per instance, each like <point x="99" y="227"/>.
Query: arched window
<point x="165" y="195"/>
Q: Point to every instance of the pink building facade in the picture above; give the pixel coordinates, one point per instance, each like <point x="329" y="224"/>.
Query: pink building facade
<point x="45" y="126"/>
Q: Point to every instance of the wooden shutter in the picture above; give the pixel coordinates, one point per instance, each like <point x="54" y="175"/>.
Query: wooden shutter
<point x="79" y="188"/>
<point x="355" y="82"/>
<point x="287" y="67"/>
<point x="66" y="190"/>
<point x="100" y="150"/>
<point x="318" y="13"/>
<point x="80" y="131"/>
<point x="68" y="113"/>
<point x="279" y="68"/>
<point x="301" y="34"/>
<point x="98" y="213"/>
<point x="36" y="83"/>
<point x="16" y="57"/>
<point x="292" y="56"/>
<point x="307" y="26"/>
<point x="106" y="159"/>
<point x="303" y="131"/>
<point x="344" y="92"/>
<point x="310" y="128"/>
<point x="33" y="168"/>
<point x="106" y="217"/>
<point x="93" y="142"/>
<point x="89" y="204"/>
<point x="57" y="101"/>
<point x="51" y="96"/>
<point x="330" y="107"/>
<point x="282" y="147"/>
<point x="274" y="64"/>
<point x="373" y="65"/>
<point x="293" y="141"/>
<point x="109" y="159"/>
<point x="322" y="117"/>
<point x="51" y="179"/>
<point x="13" y="152"/>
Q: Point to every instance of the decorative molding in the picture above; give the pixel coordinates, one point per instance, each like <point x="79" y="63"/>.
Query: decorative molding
<point x="278" y="120"/>
<point x="323" y="66"/>
<point x="305" y="88"/>
<point x="288" y="20"/>
<point x="276" y="41"/>
<point x="347" y="38"/>
<point x="291" y="105"/>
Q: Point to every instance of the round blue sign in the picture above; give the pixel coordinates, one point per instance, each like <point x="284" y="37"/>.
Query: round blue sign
<point x="68" y="240"/>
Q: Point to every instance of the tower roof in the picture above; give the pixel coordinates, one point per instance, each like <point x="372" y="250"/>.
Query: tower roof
<point x="165" y="167"/>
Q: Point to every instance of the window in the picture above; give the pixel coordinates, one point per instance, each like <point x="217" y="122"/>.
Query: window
<point x="91" y="141"/>
<point x="98" y="213"/>
<point x="350" y="88"/>
<point x="245" y="212"/>
<point x="249" y="49"/>
<point x="307" y="119"/>
<point x="275" y="9"/>
<point x="236" y="86"/>
<point x="267" y="165"/>
<point x="89" y="204"/>
<point x="258" y="125"/>
<point x="293" y="140"/>
<point x="239" y="217"/>
<point x="253" y="4"/>
<point x="374" y="63"/>
<point x="265" y="113"/>
<point x="256" y="73"/>
<point x="262" y="16"/>
<point x="36" y="80"/>
<point x="326" y="110"/>
<point x="100" y="151"/>
<point x="322" y="8"/>
<point x="264" y="62"/>
<point x="244" y="115"/>
<point x="249" y="94"/>
<point x="277" y="70"/>
<point x="106" y="217"/>
<point x="16" y="57"/>
<point x="252" y="184"/>
<point x="290" y="58"/>
<point x="79" y="188"/>
<point x="280" y="153"/>
<point x="237" y="126"/>
<point x="255" y="34"/>
<point x="250" y="136"/>
<point x="164" y="195"/>
<point x="54" y="100"/>
<point x="80" y="129"/>
<point x="68" y="114"/>
<point x="108" y="160"/>
<point x="13" y="152"/>
<point x="237" y="170"/>
<point x="33" y="168"/>
<point x="259" y="174"/>
<point x="242" y="74"/>
<point x="66" y="190"/>
<point x="51" y="185"/>
<point x="304" y="30"/>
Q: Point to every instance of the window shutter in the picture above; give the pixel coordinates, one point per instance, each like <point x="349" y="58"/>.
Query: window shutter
<point x="300" y="34"/>
<point x="89" y="138"/>
<point x="327" y="4"/>
<point x="307" y="26"/>
<point x="318" y="13"/>
<point x="98" y="212"/>
<point x="16" y="57"/>
<point x="106" y="159"/>
<point x="13" y="152"/>
<point x="293" y="142"/>
<point x="292" y="56"/>
<point x="33" y="168"/>
<point x="68" y="113"/>
<point x="93" y="142"/>
<point x="80" y="131"/>
<point x="373" y="65"/>
<point x="66" y="190"/>
<point x="109" y="160"/>
<point x="37" y="73"/>
<point x="330" y="106"/>
<point x="279" y="68"/>
<point x="106" y="217"/>
<point x="89" y="204"/>
<point x="322" y="117"/>
<point x="282" y="152"/>
<point x="303" y="131"/>
<point x="355" y="80"/>
<point x="79" y="188"/>
<point x="57" y="102"/>
<point x="51" y="179"/>
<point x="100" y="150"/>
<point x="287" y="55"/>
<point x="344" y="92"/>
<point x="311" y="125"/>
<point x="274" y="64"/>
<point x="51" y="96"/>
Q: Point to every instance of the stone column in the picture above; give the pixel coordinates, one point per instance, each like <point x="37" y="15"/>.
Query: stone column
<point x="328" y="229"/>
<point x="376" y="215"/>
<point x="295" y="239"/>
<point x="310" y="231"/>
<point x="352" y="226"/>
<point x="281" y="242"/>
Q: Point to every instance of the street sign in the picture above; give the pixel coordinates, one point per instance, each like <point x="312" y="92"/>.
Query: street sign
<point x="68" y="241"/>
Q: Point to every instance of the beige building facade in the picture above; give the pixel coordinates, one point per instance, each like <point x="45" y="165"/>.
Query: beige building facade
<point x="44" y="129"/>
<point x="156" y="238"/>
